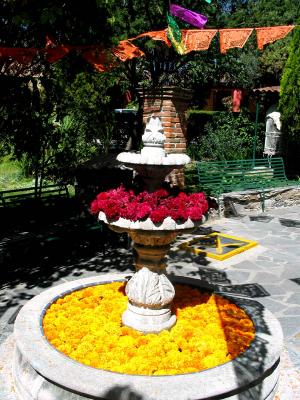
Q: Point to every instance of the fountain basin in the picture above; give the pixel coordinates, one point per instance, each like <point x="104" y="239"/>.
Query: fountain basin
<point x="42" y="373"/>
<point x="147" y="225"/>
<point x="134" y="160"/>
<point x="151" y="167"/>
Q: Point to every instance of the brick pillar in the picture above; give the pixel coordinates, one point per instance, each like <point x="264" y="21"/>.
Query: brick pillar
<point x="170" y="104"/>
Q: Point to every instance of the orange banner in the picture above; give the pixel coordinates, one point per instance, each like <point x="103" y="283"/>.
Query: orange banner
<point x="99" y="59"/>
<point x="127" y="51"/>
<point x="54" y="54"/>
<point x="197" y="39"/>
<point x="271" y="34"/>
<point x="22" y="55"/>
<point x="231" y="38"/>
<point x="156" y="35"/>
<point x="192" y="39"/>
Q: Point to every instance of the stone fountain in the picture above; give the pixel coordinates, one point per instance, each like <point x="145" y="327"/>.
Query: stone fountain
<point x="150" y="292"/>
<point x="39" y="372"/>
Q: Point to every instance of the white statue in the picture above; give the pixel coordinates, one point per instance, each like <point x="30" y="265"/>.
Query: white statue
<point x="273" y="122"/>
<point x="273" y="132"/>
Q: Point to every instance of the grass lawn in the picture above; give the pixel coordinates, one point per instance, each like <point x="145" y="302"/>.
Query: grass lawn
<point x="11" y="176"/>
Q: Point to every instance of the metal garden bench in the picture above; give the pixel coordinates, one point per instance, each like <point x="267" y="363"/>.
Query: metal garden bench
<point x="218" y="177"/>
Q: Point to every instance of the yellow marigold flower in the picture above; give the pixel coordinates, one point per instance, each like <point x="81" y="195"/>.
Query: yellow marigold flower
<point x="86" y="326"/>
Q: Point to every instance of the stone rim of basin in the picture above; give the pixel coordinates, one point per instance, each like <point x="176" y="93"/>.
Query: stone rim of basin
<point x="168" y="224"/>
<point x="259" y="363"/>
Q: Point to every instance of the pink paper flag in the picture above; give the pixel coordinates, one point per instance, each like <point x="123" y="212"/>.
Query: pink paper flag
<point x="188" y="16"/>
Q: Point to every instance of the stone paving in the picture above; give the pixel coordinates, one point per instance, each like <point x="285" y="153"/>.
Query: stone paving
<point x="269" y="273"/>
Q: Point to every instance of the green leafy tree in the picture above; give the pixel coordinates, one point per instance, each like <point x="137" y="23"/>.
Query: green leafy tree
<point x="51" y="119"/>
<point x="289" y="104"/>
<point x="64" y="122"/>
<point x="28" y="22"/>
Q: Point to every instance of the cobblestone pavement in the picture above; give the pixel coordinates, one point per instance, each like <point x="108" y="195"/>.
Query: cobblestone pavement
<point x="269" y="273"/>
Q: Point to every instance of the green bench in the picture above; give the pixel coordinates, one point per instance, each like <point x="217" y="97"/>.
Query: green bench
<point x="47" y="194"/>
<point x="218" y="177"/>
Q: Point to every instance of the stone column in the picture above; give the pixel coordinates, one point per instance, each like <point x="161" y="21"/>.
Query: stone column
<point x="170" y="104"/>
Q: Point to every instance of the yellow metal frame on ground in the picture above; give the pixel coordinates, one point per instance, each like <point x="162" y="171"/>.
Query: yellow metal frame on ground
<point x="219" y="246"/>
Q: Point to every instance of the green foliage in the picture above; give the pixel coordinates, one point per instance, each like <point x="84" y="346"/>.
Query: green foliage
<point x="197" y="120"/>
<point x="91" y="98"/>
<point x="191" y="113"/>
<point x="289" y="103"/>
<point x="67" y="117"/>
<point x="239" y="68"/>
<point x="246" y="13"/>
<point x="28" y="22"/>
<point x="227" y="137"/>
<point x="11" y="175"/>
<point x="57" y="121"/>
<point x="273" y="60"/>
<point x="191" y="179"/>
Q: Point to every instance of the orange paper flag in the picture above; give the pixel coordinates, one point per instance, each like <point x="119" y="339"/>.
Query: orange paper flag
<point x="22" y="55"/>
<point x="54" y="54"/>
<point x="155" y="35"/>
<point x="127" y="51"/>
<point x="99" y="59"/>
<point x="197" y="39"/>
<point x="271" y="34"/>
<point x="230" y="38"/>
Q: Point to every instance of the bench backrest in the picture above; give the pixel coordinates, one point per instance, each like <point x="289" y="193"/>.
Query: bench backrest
<point x="17" y="196"/>
<point x="216" y="177"/>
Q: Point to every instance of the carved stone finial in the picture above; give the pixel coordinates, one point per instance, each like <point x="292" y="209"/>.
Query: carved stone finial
<point x="154" y="134"/>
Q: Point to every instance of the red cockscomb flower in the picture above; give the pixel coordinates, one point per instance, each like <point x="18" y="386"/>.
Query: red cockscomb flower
<point x="157" y="206"/>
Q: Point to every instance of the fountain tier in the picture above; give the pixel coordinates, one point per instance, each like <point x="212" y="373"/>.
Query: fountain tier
<point x="152" y="163"/>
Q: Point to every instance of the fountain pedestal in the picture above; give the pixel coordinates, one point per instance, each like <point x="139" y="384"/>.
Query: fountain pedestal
<point x="150" y="249"/>
<point x="150" y="292"/>
<point x="149" y="302"/>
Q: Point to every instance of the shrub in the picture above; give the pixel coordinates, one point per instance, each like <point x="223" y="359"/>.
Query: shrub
<point x="227" y="137"/>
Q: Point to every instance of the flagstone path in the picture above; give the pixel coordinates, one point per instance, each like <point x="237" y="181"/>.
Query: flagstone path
<point x="268" y="273"/>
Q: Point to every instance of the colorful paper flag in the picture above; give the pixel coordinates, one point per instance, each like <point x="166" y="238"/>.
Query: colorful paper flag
<point x="270" y="34"/>
<point x="197" y="39"/>
<point x="174" y="34"/>
<point x="188" y="16"/>
<point x="98" y="59"/>
<point x="22" y="55"/>
<point x="127" y="51"/>
<point x="230" y="38"/>
<point x="155" y="35"/>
